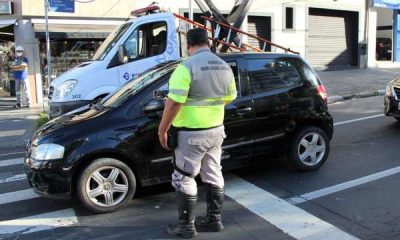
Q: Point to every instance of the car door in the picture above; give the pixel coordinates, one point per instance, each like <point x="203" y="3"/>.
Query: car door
<point x="148" y="45"/>
<point x="239" y="116"/>
<point x="272" y="82"/>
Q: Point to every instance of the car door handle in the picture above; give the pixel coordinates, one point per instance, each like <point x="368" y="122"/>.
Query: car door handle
<point x="242" y="111"/>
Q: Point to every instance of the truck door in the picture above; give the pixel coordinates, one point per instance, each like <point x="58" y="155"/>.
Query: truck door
<point x="150" y="44"/>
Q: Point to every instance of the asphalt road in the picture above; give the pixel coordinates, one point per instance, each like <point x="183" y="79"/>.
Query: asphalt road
<point x="354" y="195"/>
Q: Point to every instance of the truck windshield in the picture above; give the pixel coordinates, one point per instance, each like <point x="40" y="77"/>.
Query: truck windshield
<point x="137" y="84"/>
<point x="110" y="42"/>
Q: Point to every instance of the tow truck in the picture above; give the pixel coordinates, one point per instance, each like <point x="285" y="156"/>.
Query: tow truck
<point x="152" y="37"/>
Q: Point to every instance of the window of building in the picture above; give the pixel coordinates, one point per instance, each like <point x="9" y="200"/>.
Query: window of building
<point x="289" y="18"/>
<point x="147" y="40"/>
<point x="266" y="74"/>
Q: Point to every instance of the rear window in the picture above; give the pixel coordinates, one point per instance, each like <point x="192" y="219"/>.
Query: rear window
<point x="267" y="74"/>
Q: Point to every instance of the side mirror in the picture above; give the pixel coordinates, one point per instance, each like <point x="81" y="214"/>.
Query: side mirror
<point x="154" y="106"/>
<point x="122" y="55"/>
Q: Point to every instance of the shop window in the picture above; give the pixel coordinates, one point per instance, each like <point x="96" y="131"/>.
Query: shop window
<point x="289" y="18"/>
<point x="147" y="40"/>
<point x="67" y="53"/>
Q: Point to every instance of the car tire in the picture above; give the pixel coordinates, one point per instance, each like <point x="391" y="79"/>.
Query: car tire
<point x="106" y="185"/>
<point x="309" y="158"/>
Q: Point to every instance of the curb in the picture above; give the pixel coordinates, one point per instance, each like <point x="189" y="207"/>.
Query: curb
<point x="335" y="99"/>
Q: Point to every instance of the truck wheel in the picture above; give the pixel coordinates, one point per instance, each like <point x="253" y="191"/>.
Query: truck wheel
<point x="106" y="185"/>
<point x="309" y="149"/>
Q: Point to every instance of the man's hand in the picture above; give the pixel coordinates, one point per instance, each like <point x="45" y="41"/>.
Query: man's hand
<point x="163" y="137"/>
<point x="171" y="109"/>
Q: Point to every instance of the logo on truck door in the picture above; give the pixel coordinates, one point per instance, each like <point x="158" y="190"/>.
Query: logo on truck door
<point x="126" y="76"/>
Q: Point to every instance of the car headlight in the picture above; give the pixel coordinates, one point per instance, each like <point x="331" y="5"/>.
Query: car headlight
<point x="48" y="151"/>
<point x="65" y="88"/>
<point x="389" y="90"/>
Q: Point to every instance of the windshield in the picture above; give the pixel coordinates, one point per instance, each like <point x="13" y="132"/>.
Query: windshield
<point x="110" y="42"/>
<point x="137" y="84"/>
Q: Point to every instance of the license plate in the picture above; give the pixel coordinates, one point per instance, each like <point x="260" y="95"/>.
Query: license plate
<point x="398" y="106"/>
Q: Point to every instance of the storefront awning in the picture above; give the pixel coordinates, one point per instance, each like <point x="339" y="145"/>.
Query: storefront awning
<point x="83" y="29"/>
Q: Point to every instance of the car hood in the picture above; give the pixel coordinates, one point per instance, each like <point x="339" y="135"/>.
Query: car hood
<point x="396" y="82"/>
<point x="67" y="124"/>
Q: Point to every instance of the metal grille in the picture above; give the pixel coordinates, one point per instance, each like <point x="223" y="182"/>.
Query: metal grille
<point x="332" y="38"/>
<point x="51" y="91"/>
<point x="259" y="26"/>
<point x="397" y="92"/>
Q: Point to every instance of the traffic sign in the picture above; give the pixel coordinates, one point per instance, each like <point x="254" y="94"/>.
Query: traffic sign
<point x="62" y="6"/>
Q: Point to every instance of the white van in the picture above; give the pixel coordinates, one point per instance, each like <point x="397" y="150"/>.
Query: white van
<point x="134" y="47"/>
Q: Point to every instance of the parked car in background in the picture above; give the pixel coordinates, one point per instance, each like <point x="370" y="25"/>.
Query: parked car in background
<point x="102" y="153"/>
<point x="383" y="49"/>
<point x="392" y="99"/>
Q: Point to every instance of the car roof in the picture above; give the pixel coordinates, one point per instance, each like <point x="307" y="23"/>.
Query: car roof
<point x="257" y="54"/>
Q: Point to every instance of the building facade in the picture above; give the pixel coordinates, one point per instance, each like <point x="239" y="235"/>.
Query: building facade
<point x="329" y="34"/>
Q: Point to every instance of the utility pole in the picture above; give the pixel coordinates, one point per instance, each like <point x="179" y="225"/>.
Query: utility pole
<point x="190" y="12"/>
<point x="46" y="11"/>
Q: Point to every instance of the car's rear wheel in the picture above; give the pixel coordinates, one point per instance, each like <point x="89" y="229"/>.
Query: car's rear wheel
<point x="309" y="148"/>
<point x="106" y="185"/>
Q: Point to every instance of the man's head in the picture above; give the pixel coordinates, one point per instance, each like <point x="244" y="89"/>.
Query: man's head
<point x="196" y="38"/>
<point x="19" y="51"/>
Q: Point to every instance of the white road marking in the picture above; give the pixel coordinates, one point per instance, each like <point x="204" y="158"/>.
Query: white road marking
<point x="14" y="178"/>
<point x="12" y="133"/>
<point x="358" y="119"/>
<point x="6" y="154"/>
<point x="289" y="218"/>
<point x="39" y="222"/>
<point x="17" y="196"/>
<point x="10" y="162"/>
<point x="344" y="186"/>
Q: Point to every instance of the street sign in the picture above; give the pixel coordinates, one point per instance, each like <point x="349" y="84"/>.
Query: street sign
<point x="393" y="4"/>
<point x="67" y="6"/>
<point x="6" y="7"/>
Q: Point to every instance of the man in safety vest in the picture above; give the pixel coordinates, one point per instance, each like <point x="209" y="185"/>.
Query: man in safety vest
<point x="199" y="88"/>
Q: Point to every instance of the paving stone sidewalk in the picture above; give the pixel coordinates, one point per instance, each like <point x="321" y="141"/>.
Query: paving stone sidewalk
<point x="16" y="125"/>
<point x="351" y="83"/>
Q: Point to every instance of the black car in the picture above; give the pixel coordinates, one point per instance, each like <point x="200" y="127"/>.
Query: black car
<point x="392" y="99"/>
<point x="103" y="152"/>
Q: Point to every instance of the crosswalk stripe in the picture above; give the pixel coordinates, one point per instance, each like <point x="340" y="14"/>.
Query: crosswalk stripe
<point x="17" y="196"/>
<point x="290" y="219"/>
<point x="40" y="222"/>
<point x="14" y="153"/>
<point x="14" y="178"/>
<point x="10" y="162"/>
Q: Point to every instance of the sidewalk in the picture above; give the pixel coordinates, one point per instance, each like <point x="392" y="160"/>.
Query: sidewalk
<point x="356" y="83"/>
<point x="16" y="125"/>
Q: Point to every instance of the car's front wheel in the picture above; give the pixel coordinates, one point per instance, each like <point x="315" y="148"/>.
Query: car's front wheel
<point x="309" y="148"/>
<point x="106" y="185"/>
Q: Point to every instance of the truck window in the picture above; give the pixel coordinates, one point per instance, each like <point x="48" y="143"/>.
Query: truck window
<point x="146" y="41"/>
<point x="110" y="41"/>
<point x="234" y="68"/>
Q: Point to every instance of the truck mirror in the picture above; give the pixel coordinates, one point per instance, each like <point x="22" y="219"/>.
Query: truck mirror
<point x="122" y="55"/>
<point x="153" y="107"/>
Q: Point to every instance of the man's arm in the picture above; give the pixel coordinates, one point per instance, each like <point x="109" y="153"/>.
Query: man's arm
<point x="171" y="109"/>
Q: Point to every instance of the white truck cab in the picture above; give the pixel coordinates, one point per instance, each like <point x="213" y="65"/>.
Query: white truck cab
<point x="134" y="47"/>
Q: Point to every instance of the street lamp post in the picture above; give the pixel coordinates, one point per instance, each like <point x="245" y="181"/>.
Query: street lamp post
<point x="46" y="10"/>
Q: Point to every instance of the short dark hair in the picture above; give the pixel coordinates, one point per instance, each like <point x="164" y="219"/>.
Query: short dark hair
<point x="197" y="37"/>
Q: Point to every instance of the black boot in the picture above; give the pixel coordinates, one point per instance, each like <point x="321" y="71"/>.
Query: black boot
<point x="186" y="206"/>
<point x="212" y="221"/>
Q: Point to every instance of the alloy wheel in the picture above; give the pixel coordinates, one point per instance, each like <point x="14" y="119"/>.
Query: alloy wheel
<point x="107" y="186"/>
<point x="311" y="149"/>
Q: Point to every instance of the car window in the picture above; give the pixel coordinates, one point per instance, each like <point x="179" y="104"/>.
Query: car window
<point x="266" y="74"/>
<point x="235" y="71"/>
<point x="307" y="72"/>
